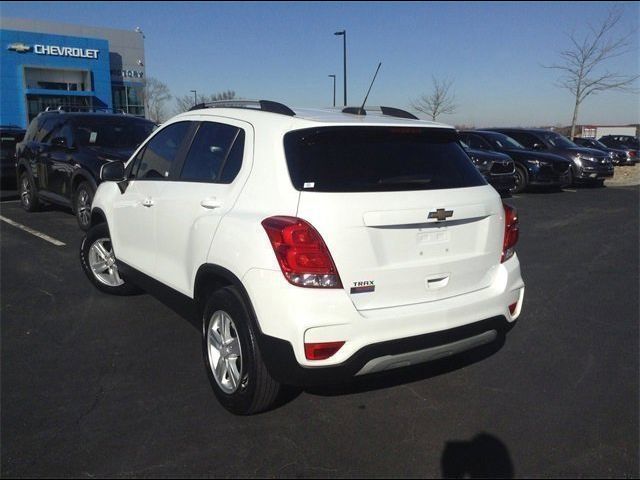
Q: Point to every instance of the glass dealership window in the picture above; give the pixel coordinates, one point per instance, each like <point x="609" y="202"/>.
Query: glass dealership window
<point x="128" y="99"/>
<point x="69" y="103"/>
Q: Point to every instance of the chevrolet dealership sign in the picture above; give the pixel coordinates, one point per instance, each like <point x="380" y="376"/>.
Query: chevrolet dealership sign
<point x="56" y="50"/>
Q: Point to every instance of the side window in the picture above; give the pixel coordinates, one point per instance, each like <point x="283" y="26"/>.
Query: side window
<point x="63" y="130"/>
<point x="210" y="148"/>
<point x="478" y="143"/>
<point x="133" y="166"/>
<point x="161" y="152"/>
<point x="234" y="160"/>
<point x="524" y="138"/>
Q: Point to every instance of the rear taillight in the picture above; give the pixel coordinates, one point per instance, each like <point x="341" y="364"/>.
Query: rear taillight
<point x="511" y="232"/>
<point x="302" y="254"/>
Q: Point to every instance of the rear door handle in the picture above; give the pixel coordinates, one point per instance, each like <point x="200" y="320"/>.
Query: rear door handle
<point x="148" y="202"/>
<point x="211" y="203"/>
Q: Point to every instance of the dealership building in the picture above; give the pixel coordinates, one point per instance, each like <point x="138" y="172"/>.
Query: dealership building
<point x="73" y="67"/>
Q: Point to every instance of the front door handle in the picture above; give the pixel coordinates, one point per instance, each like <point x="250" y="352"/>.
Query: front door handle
<point x="211" y="203"/>
<point x="148" y="202"/>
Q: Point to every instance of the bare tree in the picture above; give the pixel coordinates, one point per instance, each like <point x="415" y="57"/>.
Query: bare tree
<point x="155" y="94"/>
<point x="185" y="102"/>
<point x="582" y="61"/>
<point x="441" y="101"/>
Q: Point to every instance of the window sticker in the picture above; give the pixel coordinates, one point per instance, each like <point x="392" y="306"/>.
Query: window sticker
<point x="309" y="185"/>
<point x="93" y="137"/>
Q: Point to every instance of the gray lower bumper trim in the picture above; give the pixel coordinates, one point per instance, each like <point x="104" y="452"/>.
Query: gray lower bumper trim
<point x="390" y="362"/>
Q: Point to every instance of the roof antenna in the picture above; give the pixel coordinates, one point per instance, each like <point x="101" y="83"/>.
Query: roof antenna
<point x="361" y="110"/>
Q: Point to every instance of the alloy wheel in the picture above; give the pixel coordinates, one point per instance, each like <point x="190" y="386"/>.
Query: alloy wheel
<point x="224" y="352"/>
<point x="102" y="262"/>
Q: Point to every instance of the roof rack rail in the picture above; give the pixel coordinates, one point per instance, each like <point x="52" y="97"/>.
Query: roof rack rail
<point x="263" y="105"/>
<point x="61" y="109"/>
<point x="387" y="111"/>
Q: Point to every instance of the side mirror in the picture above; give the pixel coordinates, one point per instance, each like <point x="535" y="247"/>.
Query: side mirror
<point x="112" y="172"/>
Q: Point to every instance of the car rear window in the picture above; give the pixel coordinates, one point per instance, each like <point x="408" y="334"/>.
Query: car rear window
<point x="370" y="159"/>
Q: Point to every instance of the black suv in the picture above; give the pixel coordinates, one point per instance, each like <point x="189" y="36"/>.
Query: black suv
<point x="497" y="168"/>
<point x="617" y="156"/>
<point x="60" y="158"/>
<point x="531" y="168"/>
<point x="627" y="143"/>
<point x="10" y="135"/>
<point x="588" y="165"/>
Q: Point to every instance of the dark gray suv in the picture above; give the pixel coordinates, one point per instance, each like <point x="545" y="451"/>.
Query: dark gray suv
<point x="587" y="164"/>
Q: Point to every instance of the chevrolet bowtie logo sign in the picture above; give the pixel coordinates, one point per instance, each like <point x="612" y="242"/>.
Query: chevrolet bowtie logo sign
<point x="441" y="214"/>
<point x="19" y="47"/>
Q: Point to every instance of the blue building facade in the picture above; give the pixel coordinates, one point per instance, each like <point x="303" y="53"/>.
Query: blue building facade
<point x="49" y="65"/>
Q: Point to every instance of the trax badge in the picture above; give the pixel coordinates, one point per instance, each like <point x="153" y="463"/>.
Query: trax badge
<point x="441" y="214"/>
<point x="363" y="287"/>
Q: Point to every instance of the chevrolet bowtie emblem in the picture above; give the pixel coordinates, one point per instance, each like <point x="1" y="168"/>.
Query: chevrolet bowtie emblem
<point x="441" y="214"/>
<point x="19" y="47"/>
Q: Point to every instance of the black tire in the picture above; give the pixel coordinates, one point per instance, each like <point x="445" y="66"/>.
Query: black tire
<point x="28" y="193"/>
<point x="100" y="233"/>
<point x="255" y="391"/>
<point x="82" y="198"/>
<point x="521" y="180"/>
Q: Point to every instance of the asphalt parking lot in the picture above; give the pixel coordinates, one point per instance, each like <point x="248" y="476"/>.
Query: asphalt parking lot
<point x="94" y="385"/>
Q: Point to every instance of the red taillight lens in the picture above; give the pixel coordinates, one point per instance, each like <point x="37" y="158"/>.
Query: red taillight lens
<point x="512" y="308"/>
<point x="302" y="254"/>
<point x="321" y="351"/>
<point x="511" y="232"/>
<point x="632" y="153"/>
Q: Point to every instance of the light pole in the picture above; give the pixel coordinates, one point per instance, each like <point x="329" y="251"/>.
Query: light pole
<point x="334" y="89"/>
<point x="344" y="48"/>
<point x="195" y="97"/>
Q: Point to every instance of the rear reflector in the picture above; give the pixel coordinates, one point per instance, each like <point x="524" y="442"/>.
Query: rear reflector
<point x="301" y="252"/>
<point x="321" y="351"/>
<point x="511" y="232"/>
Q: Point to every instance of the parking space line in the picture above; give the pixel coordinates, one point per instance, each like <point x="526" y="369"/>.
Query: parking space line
<point x="36" y="233"/>
<point x="568" y="190"/>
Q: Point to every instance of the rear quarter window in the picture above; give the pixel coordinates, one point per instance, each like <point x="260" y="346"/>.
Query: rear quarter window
<point x="363" y="159"/>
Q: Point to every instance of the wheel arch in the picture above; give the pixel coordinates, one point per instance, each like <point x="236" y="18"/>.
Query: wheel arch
<point x="80" y="176"/>
<point x="211" y="277"/>
<point x="97" y="217"/>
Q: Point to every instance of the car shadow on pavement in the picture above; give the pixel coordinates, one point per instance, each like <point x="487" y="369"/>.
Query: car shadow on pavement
<point x="484" y="456"/>
<point x="401" y="376"/>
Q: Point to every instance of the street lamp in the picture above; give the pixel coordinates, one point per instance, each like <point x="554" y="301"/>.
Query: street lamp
<point x="344" y="47"/>
<point x="334" y="89"/>
<point x="195" y="97"/>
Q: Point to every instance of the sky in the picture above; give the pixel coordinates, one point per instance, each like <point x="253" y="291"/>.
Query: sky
<point x="494" y="52"/>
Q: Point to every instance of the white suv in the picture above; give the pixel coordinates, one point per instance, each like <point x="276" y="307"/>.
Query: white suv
<point x="318" y="244"/>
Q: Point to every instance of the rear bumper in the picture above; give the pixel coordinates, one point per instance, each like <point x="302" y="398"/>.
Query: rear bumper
<point x="281" y="361"/>
<point x="289" y="316"/>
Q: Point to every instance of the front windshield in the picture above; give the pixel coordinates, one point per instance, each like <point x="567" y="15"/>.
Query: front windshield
<point x="502" y="142"/>
<point x="558" y="141"/>
<point x="112" y="132"/>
